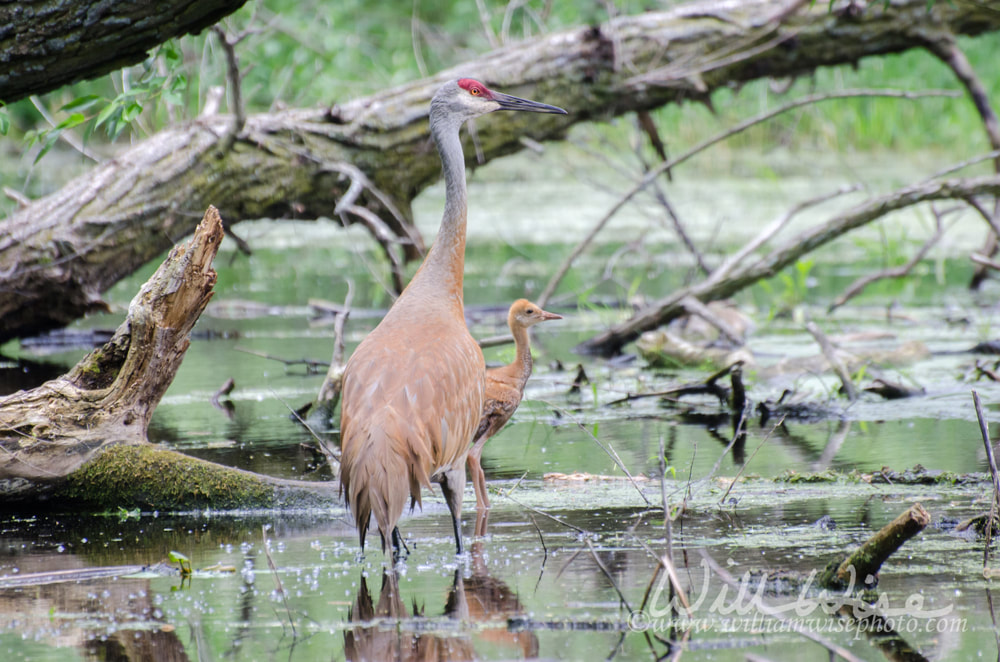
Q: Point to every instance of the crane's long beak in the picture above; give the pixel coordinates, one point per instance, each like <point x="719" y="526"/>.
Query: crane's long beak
<point x="507" y="102"/>
<point x="546" y="315"/>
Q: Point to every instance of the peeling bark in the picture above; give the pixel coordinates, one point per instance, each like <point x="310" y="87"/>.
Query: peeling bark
<point x="365" y="160"/>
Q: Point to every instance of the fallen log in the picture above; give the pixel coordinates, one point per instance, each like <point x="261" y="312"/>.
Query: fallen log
<point x="80" y="440"/>
<point x="365" y="160"/>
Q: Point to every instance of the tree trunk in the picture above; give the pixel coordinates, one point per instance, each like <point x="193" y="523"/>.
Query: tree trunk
<point x="45" y="44"/>
<point x="61" y="252"/>
<point x="81" y="439"/>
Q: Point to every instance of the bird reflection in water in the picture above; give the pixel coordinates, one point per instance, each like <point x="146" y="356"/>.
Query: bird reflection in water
<point x="386" y="631"/>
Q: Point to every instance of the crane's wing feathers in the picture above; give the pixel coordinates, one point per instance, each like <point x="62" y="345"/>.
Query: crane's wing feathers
<point x="409" y="408"/>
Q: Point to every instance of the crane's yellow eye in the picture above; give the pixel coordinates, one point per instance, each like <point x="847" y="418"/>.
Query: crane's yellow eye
<point x="474" y="91"/>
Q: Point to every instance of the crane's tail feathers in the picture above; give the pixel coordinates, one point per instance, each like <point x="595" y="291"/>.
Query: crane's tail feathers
<point x="377" y="487"/>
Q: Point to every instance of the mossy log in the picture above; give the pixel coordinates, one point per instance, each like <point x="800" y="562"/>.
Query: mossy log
<point x="365" y="160"/>
<point x="148" y="478"/>
<point x="860" y="569"/>
<point x="82" y="438"/>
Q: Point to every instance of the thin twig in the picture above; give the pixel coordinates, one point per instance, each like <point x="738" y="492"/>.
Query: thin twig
<point x="727" y="265"/>
<point x="736" y="435"/>
<point x="609" y="449"/>
<point x="332" y="457"/>
<point x="545" y="514"/>
<point x="985" y="430"/>
<point x="744" y="465"/>
<point x="607" y="573"/>
<point x="987" y="216"/>
<point x="309" y="363"/>
<point x="329" y="391"/>
<point x="860" y="284"/>
<point x="831" y="355"/>
<point x="667" y="564"/>
<point x="277" y="579"/>
<point x="545" y="552"/>
<point x="66" y="136"/>
<point x="235" y="83"/>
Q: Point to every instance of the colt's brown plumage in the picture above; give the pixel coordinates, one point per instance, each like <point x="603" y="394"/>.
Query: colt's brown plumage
<point x="413" y="389"/>
<point x="505" y="388"/>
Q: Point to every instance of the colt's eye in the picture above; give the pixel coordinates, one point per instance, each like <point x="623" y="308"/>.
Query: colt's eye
<point x="530" y="311"/>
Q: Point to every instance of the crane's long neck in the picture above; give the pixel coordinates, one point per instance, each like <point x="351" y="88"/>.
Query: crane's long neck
<point x="444" y="265"/>
<point x="522" y="358"/>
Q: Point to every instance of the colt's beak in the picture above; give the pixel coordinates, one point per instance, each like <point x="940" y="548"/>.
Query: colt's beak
<point x="507" y="102"/>
<point x="549" y="316"/>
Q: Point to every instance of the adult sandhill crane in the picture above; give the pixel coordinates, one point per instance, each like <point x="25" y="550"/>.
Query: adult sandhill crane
<point x="504" y="389"/>
<point x="413" y="389"/>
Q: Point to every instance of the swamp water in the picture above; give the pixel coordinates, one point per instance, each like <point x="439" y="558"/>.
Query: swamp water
<point x="545" y="582"/>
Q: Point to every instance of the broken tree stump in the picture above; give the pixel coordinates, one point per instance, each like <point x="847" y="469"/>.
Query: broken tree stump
<point x="82" y="438"/>
<point x="860" y="569"/>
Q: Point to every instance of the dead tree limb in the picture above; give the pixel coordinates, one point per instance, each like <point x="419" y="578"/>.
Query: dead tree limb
<point x="59" y="254"/>
<point x="741" y="276"/>
<point x="860" y="570"/>
<point x="81" y="438"/>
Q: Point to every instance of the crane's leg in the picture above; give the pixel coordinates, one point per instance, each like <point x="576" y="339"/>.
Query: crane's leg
<point x="398" y="544"/>
<point x="478" y="477"/>
<point x="453" y="488"/>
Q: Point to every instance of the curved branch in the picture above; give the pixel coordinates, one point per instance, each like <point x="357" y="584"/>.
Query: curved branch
<point x="710" y="289"/>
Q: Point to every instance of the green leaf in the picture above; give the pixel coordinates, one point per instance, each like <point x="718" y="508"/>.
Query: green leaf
<point x="50" y="140"/>
<point x="103" y="116"/>
<point x="171" y="53"/>
<point x="82" y="103"/>
<point x="132" y="111"/>
<point x="75" y="119"/>
<point x="4" y="124"/>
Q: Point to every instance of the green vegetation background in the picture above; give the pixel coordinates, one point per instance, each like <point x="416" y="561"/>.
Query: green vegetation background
<point x="319" y="52"/>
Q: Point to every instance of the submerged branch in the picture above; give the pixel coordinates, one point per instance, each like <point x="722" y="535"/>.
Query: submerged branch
<point x="860" y="569"/>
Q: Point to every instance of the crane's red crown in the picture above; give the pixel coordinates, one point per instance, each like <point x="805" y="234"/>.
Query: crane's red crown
<point x="474" y="87"/>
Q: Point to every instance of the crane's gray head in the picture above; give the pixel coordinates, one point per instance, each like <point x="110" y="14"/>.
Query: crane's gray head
<point x="465" y="98"/>
<point x="524" y="313"/>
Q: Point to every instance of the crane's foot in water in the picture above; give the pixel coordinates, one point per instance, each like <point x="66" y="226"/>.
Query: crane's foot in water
<point x="399" y="548"/>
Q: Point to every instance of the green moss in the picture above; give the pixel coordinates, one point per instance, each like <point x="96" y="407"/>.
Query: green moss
<point x="792" y="476"/>
<point x="152" y="478"/>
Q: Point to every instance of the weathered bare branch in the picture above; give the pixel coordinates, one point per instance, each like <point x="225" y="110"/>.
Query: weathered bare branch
<point x="666" y="166"/>
<point x="670" y="307"/>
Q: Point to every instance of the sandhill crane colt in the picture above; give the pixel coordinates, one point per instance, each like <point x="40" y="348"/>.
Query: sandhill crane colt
<point x="505" y="388"/>
<point x="413" y="389"/>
